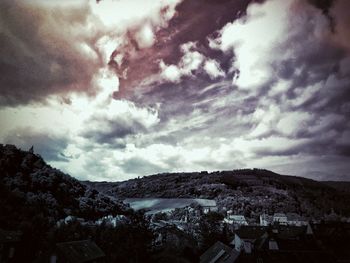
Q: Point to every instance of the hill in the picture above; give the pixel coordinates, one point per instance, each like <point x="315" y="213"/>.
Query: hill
<point x="246" y="191"/>
<point x="32" y="191"/>
<point x="30" y="188"/>
<point x="338" y="185"/>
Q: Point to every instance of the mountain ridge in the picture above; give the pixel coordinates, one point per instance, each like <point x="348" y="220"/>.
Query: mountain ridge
<point x="244" y="191"/>
<point x="30" y="182"/>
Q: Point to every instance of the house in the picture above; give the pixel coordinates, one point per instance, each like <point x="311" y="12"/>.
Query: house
<point x="112" y="221"/>
<point x="171" y="236"/>
<point x="296" y="220"/>
<point x="292" y="244"/>
<point x="247" y="237"/>
<point x="280" y="219"/>
<point x="288" y="238"/>
<point x="290" y="232"/>
<point x="84" y="251"/>
<point x="8" y="243"/>
<point x="236" y="220"/>
<point x="219" y="253"/>
<point x="208" y="206"/>
<point x="265" y="220"/>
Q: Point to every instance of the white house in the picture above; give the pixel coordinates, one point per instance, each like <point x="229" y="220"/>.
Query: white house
<point x="280" y="218"/>
<point x="208" y="206"/>
<point x="296" y="220"/>
<point x="265" y="220"/>
<point x="111" y="221"/>
<point x="236" y="220"/>
<point x="246" y="238"/>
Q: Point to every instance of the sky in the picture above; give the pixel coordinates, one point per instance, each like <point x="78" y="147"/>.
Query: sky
<point x="110" y="90"/>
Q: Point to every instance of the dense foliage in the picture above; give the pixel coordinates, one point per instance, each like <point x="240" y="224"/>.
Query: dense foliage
<point x="247" y="191"/>
<point x="30" y="187"/>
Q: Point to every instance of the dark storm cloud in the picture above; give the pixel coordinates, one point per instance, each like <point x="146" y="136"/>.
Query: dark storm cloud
<point x="198" y="106"/>
<point x="314" y="147"/>
<point x="116" y="122"/>
<point x="322" y="60"/>
<point x="49" y="146"/>
<point x="112" y="131"/>
<point x="44" y="52"/>
<point x="324" y="5"/>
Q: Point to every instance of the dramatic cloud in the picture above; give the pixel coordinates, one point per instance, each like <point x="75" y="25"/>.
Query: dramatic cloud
<point x="135" y="88"/>
<point x="45" y="51"/>
<point x="118" y="120"/>
<point x="51" y="47"/>
<point x="192" y="22"/>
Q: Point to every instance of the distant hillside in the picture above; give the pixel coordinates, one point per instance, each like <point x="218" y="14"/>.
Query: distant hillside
<point x="341" y="186"/>
<point x="248" y="191"/>
<point x="31" y="190"/>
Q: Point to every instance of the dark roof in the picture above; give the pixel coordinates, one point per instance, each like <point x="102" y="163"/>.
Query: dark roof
<point x="219" y="253"/>
<point x="251" y="232"/>
<point x="289" y="238"/>
<point x="297" y="257"/>
<point x="291" y="232"/>
<point x="331" y="229"/>
<point x="79" y="251"/>
<point x="9" y="236"/>
<point x="295" y="216"/>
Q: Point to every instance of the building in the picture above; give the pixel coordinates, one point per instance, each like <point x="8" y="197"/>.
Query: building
<point x="292" y="244"/>
<point x="219" y="253"/>
<point x="247" y="238"/>
<point x="8" y="244"/>
<point x="265" y="220"/>
<point x="84" y="251"/>
<point x="236" y="220"/>
<point x="296" y="220"/>
<point x="170" y="236"/>
<point x="112" y="221"/>
<point x="280" y="218"/>
<point x="208" y="206"/>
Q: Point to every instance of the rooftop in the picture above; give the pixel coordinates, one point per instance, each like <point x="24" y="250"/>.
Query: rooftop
<point x="79" y="251"/>
<point x="251" y="232"/>
<point x="219" y="253"/>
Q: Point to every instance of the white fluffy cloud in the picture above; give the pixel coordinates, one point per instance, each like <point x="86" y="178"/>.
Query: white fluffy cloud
<point x="191" y="60"/>
<point x="145" y="36"/>
<point x="213" y="69"/>
<point x="254" y="39"/>
<point x="123" y="13"/>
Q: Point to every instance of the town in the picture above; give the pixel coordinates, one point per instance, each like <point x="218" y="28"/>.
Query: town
<point x="226" y="236"/>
